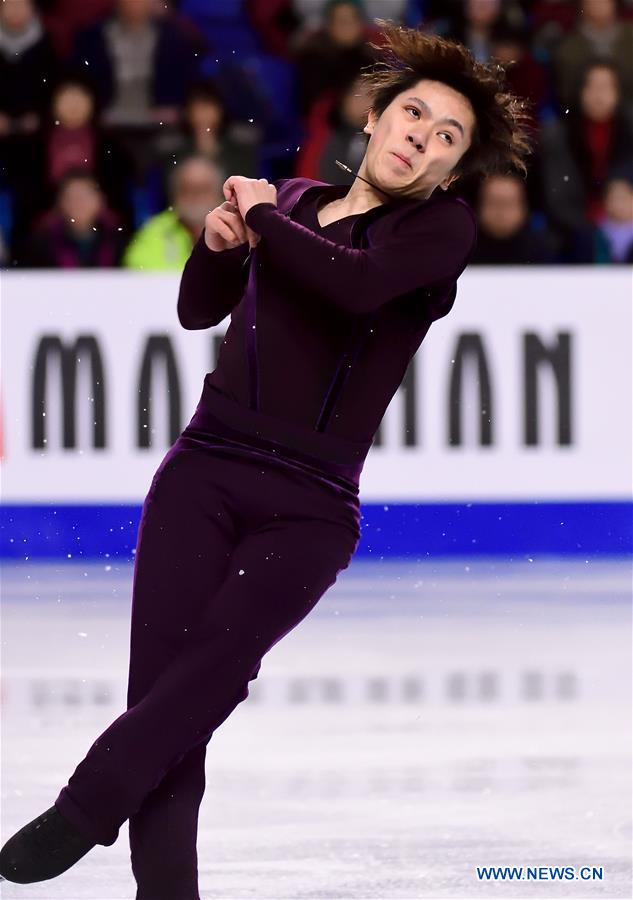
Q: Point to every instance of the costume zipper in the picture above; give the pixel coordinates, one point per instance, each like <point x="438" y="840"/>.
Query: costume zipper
<point x="251" y="331"/>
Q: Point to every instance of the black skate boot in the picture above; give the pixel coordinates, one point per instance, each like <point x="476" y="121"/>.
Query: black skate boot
<point x="43" y="849"/>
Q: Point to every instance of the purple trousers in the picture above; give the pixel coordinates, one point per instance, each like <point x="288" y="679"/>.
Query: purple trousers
<point x="233" y="552"/>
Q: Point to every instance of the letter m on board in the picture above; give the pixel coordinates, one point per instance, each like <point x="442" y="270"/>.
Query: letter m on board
<point x="67" y="356"/>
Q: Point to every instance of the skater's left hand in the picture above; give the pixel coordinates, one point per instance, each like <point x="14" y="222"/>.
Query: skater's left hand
<point x="246" y="192"/>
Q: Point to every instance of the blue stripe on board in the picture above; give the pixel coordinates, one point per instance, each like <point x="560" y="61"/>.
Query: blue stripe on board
<point x="391" y="530"/>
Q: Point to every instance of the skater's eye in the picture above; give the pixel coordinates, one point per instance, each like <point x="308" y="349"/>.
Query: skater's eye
<point x="446" y="133"/>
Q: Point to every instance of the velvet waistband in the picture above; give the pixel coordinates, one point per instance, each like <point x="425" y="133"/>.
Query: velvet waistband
<point x="319" y="452"/>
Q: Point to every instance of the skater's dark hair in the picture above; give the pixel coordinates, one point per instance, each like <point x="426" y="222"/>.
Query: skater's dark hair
<point x="501" y="136"/>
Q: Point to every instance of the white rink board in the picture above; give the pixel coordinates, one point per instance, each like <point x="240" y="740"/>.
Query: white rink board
<point x="589" y="306"/>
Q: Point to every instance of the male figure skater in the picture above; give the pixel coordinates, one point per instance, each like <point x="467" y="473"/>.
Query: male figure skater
<point x="254" y="511"/>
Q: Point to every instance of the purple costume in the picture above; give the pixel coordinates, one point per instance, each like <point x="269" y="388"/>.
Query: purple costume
<point x="254" y="511"/>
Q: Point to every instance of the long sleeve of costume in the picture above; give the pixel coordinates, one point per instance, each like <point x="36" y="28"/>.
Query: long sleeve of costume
<point x="359" y="281"/>
<point x="212" y="283"/>
<point x="296" y="377"/>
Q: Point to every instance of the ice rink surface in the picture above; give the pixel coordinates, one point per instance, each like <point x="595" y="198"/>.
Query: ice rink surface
<point x="424" y="719"/>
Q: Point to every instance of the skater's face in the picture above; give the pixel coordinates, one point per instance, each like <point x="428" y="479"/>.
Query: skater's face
<point x="430" y="125"/>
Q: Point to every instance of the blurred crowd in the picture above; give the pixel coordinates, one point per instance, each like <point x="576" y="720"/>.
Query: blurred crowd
<point x="120" y="119"/>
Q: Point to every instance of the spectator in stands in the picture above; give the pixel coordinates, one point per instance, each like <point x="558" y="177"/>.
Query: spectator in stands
<point x="528" y="79"/>
<point x="580" y="150"/>
<point x="598" y="33"/>
<point x="80" y="231"/>
<point x="550" y="20"/>
<point x="277" y="22"/>
<point x="139" y="63"/>
<point x="474" y="21"/>
<point x="346" y="141"/>
<point x="525" y="77"/>
<point x="311" y="11"/>
<point x="332" y="56"/>
<point x="506" y="236"/>
<point x="167" y="239"/>
<point x="73" y="139"/>
<point x="27" y="65"/>
<point x="205" y="130"/>
<point x="64" y="18"/>
<point x="617" y="222"/>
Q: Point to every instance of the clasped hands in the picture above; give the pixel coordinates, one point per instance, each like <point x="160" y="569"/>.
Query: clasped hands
<point x="225" y="226"/>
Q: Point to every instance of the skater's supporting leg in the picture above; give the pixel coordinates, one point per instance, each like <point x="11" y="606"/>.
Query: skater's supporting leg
<point x="163" y="831"/>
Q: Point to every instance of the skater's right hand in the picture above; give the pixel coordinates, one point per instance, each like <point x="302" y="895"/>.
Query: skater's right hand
<point x="225" y="228"/>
